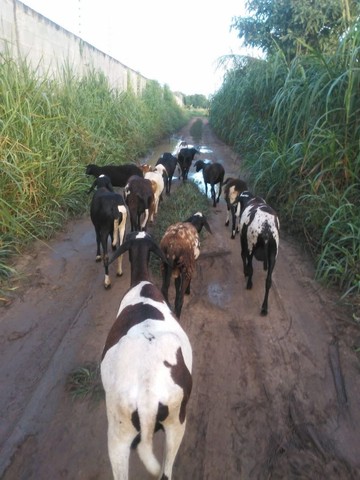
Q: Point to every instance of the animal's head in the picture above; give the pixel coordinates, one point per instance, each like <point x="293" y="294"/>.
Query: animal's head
<point x="146" y="168"/>
<point x="244" y="198"/>
<point x="102" y="181"/>
<point x="139" y="245"/>
<point x="199" y="221"/>
<point x="89" y="169"/>
<point x="160" y="169"/>
<point x="199" y="165"/>
<point x="193" y="151"/>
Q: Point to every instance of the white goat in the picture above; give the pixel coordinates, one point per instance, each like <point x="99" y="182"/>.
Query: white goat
<point x="145" y="369"/>
<point x="158" y="185"/>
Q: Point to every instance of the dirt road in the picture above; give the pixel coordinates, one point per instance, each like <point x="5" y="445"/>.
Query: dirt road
<point x="274" y="397"/>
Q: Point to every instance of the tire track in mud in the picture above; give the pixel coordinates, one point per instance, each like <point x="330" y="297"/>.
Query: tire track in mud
<point x="57" y="366"/>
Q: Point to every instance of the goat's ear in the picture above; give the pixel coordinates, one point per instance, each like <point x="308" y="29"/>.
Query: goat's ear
<point x="92" y="186"/>
<point x="159" y="253"/>
<point x="124" y="247"/>
<point x="207" y="226"/>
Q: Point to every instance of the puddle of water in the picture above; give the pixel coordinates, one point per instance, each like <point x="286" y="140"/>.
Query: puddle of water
<point x="173" y="146"/>
<point x="205" y="149"/>
<point x="217" y="295"/>
<point x="198" y="179"/>
<point x="67" y="250"/>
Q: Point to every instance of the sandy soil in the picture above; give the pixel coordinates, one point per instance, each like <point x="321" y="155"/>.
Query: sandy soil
<point x="274" y="397"/>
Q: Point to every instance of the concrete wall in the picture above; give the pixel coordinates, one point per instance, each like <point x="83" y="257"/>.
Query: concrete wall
<point x="25" y="33"/>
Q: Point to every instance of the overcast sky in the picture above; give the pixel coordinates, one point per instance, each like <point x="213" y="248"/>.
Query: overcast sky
<point x="175" y="43"/>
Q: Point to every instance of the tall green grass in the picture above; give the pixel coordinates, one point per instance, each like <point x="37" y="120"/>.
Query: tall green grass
<point x="297" y="128"/>
<point x="50" y="128"/>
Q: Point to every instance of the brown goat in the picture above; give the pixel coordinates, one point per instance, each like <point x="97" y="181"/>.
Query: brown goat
<point x="139" y="198"/>
<point x="181" y="245"/>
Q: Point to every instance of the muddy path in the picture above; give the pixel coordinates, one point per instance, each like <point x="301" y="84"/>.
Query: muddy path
<point x="274" y="397"/>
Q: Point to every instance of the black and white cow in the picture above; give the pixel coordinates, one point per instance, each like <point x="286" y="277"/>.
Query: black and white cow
<point x="259" y="237"/>
<point x="145" y="369"/>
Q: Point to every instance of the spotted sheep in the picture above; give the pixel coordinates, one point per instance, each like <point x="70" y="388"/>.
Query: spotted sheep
<point x="213" y="174"/>
<point x="145" y="369"/>
<point x="181" y="246"/>
<point x="139" y="198"/>
<point x="259" y="237"/>
<point x="232" y="189"/>
<point x="108" y="214"/>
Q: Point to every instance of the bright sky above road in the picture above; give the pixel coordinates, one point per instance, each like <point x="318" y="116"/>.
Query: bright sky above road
<point x="175" y="43"/>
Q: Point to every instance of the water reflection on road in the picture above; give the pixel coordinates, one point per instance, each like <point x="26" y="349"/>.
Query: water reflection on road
<point x="173" y="146"/>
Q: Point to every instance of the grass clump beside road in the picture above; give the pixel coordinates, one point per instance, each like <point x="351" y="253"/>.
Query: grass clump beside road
<point x="85" y="383"/>
<point x="296" y="125"/>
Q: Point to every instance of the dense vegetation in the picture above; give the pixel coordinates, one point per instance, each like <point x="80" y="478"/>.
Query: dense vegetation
<point x="294" y="117"/>
<point x="50" y="129"/>
<point x="196" y="101"/>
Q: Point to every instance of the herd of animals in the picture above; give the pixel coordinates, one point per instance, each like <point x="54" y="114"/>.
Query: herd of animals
<point x="146" y="363"/>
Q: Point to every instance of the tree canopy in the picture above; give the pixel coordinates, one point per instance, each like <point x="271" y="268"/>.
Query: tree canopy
<point x="196" y="101"/>
<point x="295" y="26"/>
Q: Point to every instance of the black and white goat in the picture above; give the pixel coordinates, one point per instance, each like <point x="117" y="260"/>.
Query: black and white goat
<point x="108" y="214"/>
<point x="169" y="161"/>
<point x="259" y="237"/>
<point x="232" y="189"/>
<point x="181" y="246"/>
<point x="213" y="174"/>
<point x="139" y="198"/>
<point x="118" y="174"/>
<point x="145" y="369"/>
<point x="185" y="157"/>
